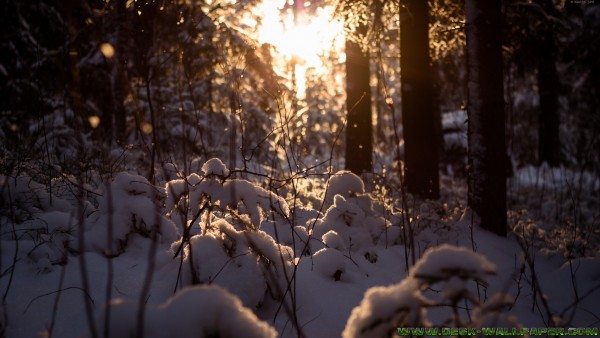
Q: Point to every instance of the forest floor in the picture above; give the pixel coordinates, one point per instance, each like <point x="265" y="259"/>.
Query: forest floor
<point x="307" y="260"/>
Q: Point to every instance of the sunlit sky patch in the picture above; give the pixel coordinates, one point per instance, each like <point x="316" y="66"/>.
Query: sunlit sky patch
<point x="302" y="40"/>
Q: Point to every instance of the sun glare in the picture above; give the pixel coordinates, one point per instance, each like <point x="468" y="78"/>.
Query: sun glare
<point x="301" y="41"/>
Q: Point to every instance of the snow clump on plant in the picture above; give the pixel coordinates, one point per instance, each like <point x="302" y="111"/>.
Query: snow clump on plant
<point x="198" y="311"/>
<point x="43" y="223"/>
<point x="449" y="268"/>
<point x="129" y="206"/>
<point x="248" y="263"/>
<point x="216" y="189"/>
<point x="345" y="184"/>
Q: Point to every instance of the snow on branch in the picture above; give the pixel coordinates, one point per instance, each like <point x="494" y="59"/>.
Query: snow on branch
<point x="450" y="269"/>
<point x="214" y="185"/>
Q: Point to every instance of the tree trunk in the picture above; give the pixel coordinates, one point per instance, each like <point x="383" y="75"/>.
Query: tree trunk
<point x="548" y="88"/>
<point x="120" y="75"/>
<point x="359" y="138"/>
<point x="418" y="115"/>
<point x="486" y="131"/>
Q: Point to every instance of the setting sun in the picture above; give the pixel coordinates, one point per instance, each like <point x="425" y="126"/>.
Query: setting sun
<point x="300" y="41"/>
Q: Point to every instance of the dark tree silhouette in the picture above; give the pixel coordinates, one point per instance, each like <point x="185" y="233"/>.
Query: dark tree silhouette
<point x="359" y="131"/>
<point x="119" y="80"/>
<point x="548" y="87"/>
<point x="486" y="132"/>
<point x="418" y="115"/>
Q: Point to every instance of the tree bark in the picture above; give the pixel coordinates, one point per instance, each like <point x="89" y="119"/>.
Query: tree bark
<point x="486" y="129"/>
<point x="418" y="115"/>
<point x="359" y="131"/>
<point x="120" y="75"/>
<point x="548" y="88"/>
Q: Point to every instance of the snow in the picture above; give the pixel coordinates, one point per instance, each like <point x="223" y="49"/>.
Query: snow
<point x="224" y="193"/>
<point x="128" y="207"/>
<point x="252" y="264"/>
<point x="384" y="308"/>
<point x="345" y="184"/>
<point x="445" y="262"/>
<point x="330" y="263"/>
<point x="198" y="311"/>
<point x="215" y="166"/>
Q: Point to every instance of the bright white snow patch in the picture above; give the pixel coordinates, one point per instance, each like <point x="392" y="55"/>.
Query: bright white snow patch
<point x="330" y="263"/>
<point x="215" y="166"/>
<point x="247" y="263"/>
<point x="344" y="183"/>
<point x="129" y="206"/>
<point x="214" y="188"/>
<point x="199" y="311"/>
<point x="446" y="262"/>
<point x="384" y="308"/>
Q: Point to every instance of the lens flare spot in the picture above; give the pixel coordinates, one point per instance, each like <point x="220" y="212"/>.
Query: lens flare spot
<point x="107" y="50"/>
<point x="94" y="121"/>
<point x="146" y="127"/>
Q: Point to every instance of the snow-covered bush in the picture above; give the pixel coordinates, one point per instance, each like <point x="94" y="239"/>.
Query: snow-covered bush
<point x="198" y="311"/>
<point x="130" y="206"/>
<point x="330" y="263"/>
<point x="214" y="186"/>
<point x="229" y="248"/>
<point x="23" y="198"/>
<point x="246" y="262"/>
<point x="355" y="223"/>
<point x="449" y="268"/>
<point x="345" y="184"/>
<point x="384" y="308"/>
<point x="41" y="222"/>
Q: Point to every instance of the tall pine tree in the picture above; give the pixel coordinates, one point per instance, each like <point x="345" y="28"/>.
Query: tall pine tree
<point x="486" y="132"/>
<point x="418" y="115"/>
<point x="359" y="131"/>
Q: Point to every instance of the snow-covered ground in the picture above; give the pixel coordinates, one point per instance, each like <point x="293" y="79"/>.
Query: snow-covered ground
<point x="209" y="254"/>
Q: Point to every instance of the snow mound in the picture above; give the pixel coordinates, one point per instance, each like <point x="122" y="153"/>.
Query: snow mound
<point x="199" y="311"/>
<point x="357" y="226"/>
<point x="43" y="222"/>
<point x="384" y="308"/>
<point x="214" y="188"/>
<point x="215" y="166"/>
<point x="247" y="263"/>
<point x="333" y="240"/>
<point x="446" y="262"/>
<point x="345" y="184"/>
<point x="129" y="206"/>
<point x="330" y="263"/>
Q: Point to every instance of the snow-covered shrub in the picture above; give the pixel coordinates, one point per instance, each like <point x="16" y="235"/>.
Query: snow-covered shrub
<point x="347" y="220"/>
<point x="214" y="186"/>
<point x="246" y="262"/>
<point x="215" y="167"/>
<point x="355" y="223"/>
<point x="345" y="184"/>
<point x="332" y="240"/>
<point x="23" y="198"/>
<point x="296" y="238"/>
<point x="357" y="220"/>
<point x="449" y="268"/>
<point x="41" y="222"/>
<point x="130" y="206"/>
<point x="198" y="311"/>
<point x="453" y="268"/>
<point x="384" y="308"/>
<point x="330" y="263"/>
